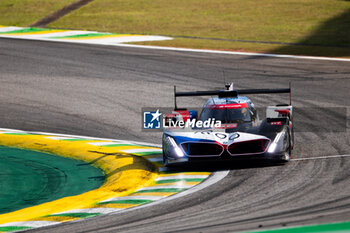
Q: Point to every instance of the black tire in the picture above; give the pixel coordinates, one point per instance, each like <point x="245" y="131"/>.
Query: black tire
<point x="165" y="160"/>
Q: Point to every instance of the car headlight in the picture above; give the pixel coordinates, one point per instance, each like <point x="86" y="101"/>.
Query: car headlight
<point x="172" y="147"/>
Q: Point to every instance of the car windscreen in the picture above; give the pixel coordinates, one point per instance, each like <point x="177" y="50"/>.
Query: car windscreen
<point x="226" y="114"/>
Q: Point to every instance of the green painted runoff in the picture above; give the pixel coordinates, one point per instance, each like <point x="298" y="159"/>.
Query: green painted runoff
<point x="29" y="178"/>
<point x="342" y="227"/>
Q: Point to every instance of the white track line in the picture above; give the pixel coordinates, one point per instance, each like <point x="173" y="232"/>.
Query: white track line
<point x="47" y="35"/>
<point x="116" y="40"/>
<point x="182" y="176"/>
<point x="61" y="138"/>
<point x="104" y="143"/>
<point x="320" y="157"/>
<point x="91" y="210"/>
<point x="12" y="131"/>
<point x="152" y="198"/>
<point x="66" y="33"/>
<point x="234" y="53"/>
<point x="108" y="143"/>
<point x="155" y="187"/>
<point x="131" y="151"/>
<point x="184" y="49"/>
<point x="30" y="224"/>
<point x="8" y="29"/>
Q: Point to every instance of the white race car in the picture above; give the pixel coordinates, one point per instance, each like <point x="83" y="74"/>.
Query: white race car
<point x="241" y="134"/>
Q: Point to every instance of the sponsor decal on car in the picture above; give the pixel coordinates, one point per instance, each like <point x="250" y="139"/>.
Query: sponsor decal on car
<point x="276" y="123"/>
<point x="228" y="126"/>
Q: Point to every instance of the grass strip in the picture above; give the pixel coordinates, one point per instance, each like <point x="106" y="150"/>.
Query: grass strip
<point x="169" y="190"/>
<point x="75" y="215"/>
<point x="135" y="201"/>
<point x="147" y="153"/>
<point x="178" y="180"/>
<point x="24" y="13"/>
<point x="76" y="139"/>
<point x="14" y="228"/>
<point x="300" y="27"/>
<point x="307" y="22"/>
<point x="87" y="35"/>
<point x="252" y="47"/>
<point x="332" y="227"/>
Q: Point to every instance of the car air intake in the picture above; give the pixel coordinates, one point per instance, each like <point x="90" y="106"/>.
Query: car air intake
<point x="248" y="147"/>
<point x="202" y="149"/>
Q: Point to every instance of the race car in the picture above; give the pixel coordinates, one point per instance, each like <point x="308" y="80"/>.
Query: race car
<point x="237" y="131"/>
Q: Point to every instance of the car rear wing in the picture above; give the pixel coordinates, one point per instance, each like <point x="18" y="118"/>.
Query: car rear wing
<point x="233" y="93"/>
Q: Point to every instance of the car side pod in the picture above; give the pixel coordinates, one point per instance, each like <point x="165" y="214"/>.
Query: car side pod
<point x="281" y="147"/>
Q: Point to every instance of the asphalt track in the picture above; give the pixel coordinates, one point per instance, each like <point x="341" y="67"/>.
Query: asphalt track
<point x="99" y="91"/>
